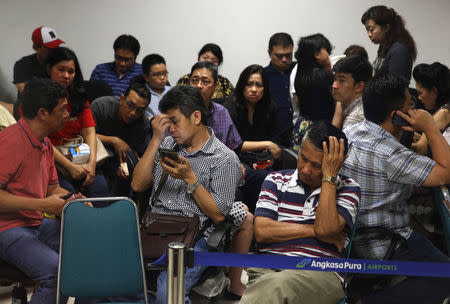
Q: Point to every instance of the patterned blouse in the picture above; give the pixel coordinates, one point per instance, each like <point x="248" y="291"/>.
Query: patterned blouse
<point x="223" y="89"/>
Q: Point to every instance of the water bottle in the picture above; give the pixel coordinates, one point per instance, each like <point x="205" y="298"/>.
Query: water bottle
<point x="19" y="294"/>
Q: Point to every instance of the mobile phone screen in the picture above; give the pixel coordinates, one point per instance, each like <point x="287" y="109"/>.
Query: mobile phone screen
<point x="168" y="153"/>
<point x="67" y="195"/>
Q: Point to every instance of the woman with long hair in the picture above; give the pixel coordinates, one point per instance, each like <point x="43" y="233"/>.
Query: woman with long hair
<point x="63" y="68"/>
<point x="433" y="86"/>
<point x="313" y="83"/>
<point x="397" y="49"/>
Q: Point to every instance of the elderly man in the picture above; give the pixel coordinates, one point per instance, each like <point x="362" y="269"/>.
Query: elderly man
<point x="305" y="212"/>
<point x="203" y="180"/>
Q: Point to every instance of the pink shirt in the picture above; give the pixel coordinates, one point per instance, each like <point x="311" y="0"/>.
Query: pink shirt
<point x="27" y="168"/>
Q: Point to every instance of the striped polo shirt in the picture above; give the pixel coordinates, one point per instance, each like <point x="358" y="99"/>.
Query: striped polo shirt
<point x="107" y="72"/>
<point x="285" y="198"/>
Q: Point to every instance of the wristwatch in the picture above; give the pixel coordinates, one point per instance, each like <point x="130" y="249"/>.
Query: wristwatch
<point x="330" y="179"/>
<point x="190" y="189"/>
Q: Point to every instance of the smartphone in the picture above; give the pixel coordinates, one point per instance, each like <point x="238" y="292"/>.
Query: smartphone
<point x="67" y="195"/>
<point x="397" y="120"/>
<point x="168" y="153"/>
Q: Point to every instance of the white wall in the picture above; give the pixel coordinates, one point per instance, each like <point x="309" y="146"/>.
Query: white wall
<point x="177" y="29"/>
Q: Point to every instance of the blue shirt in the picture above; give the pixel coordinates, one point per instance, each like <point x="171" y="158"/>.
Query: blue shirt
<point x="107" y="73"/>
<point x="152" y="109"/>
<point x="279" y="90"/>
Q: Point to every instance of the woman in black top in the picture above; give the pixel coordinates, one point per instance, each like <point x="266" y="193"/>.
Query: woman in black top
<point x="313" y="83"/>
<point x="397" y="49"/>
<point x="253" y="111"/>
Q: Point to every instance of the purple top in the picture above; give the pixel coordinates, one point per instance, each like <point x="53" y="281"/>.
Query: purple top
<point x="220" y="121"/>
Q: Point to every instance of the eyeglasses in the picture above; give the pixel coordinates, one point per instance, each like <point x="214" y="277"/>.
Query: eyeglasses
<point x="124" y="59"/>
<point x="196" y="80"/>
<point x="132" y="107"/>
<point x="160" y="74"/>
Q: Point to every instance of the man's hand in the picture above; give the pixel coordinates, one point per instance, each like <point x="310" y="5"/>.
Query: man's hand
<point x="337" y="240"/>
<point x="333" y="157"/>
<point x="120" y="146"/>
<point x="54" y="204"/>
<point x="420" y="120"/>
<point x="159" y="125"/>
<point x="179" y="170"/>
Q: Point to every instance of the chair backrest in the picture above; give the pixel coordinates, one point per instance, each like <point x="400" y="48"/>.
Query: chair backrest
<point x="100" y="251"/>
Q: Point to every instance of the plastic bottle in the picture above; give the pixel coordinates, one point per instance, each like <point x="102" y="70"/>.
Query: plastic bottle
<point x="19" y="294"/>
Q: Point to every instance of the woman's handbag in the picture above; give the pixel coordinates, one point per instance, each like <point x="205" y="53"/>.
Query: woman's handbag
<point x="158" y="230"/>
<point x="77" y="142"/>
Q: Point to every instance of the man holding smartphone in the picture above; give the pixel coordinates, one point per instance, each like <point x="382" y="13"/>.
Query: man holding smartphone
<point x="202" y="179"/>
<point x="387" y="171"/>
<point x="29" y="187"/>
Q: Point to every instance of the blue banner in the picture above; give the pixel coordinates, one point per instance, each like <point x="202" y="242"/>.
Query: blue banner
<point x="423" y="269"/>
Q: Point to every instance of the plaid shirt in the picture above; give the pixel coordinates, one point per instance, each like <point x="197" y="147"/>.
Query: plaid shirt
<point x="220" y="121"/>
<point x="217" y="168"/>
<point x="386" y="172"/>
<point x="354" y="113"/>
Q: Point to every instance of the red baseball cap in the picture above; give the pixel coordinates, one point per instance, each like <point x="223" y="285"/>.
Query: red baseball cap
<point x="46" y="36"/>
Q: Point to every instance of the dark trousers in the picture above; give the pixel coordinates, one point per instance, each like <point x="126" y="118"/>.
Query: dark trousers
<point x="415" y="289"/>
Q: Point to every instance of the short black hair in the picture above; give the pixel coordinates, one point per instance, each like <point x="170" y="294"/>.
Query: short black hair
<point x="320" y="132"/>
<point x="213" y="48"/>
<point x="206" y="65"/>
<point x="355" y="49"/>
<point x="127" y="42"/>
<point x="140" y="89"/>
<point x="359" y="67"/>
<point x="382" y="95"/>
<point x="185" y="98"/>
<point x="41" y="93"/>
<point x="281" y="39"/>
<point x="151" y="60"/>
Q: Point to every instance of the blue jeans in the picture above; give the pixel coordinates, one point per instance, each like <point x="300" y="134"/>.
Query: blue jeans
<point x="98" y="188"/>
<point x="192" y="277"/>
<point x="34" y="250"/>
<point x="415" y="289"/>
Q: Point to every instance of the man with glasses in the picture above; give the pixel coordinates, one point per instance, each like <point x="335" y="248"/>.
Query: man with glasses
<point x="278" y="71"/>
<point x="156" y="78"/>
<point x="124" y="67"/>
<point x="121" y="125"/>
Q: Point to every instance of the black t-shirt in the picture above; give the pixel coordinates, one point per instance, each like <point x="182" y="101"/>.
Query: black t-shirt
<point x="28" y="67"/>
<point x="105" y="112"/>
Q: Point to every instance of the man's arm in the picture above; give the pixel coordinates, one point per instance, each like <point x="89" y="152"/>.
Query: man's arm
<point x="422" y="121"/>
<point x="328" y="221"/>
<point x="52" y="204"/>
<point x="143" y="173"/>
<point x="268" y="230"/>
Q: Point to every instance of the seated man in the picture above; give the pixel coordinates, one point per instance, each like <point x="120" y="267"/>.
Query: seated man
<point x="156" y="78"/>
<point x="124" y="67"/>
<point x="305" y="212"/>
<point x="120" y="124"/>
<point x="350" y="76"/>
<point x="44" y="40"/>
<point x="204" y="180"/>
<point x="387" y="173"/>
<point x="29" y="186"/>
